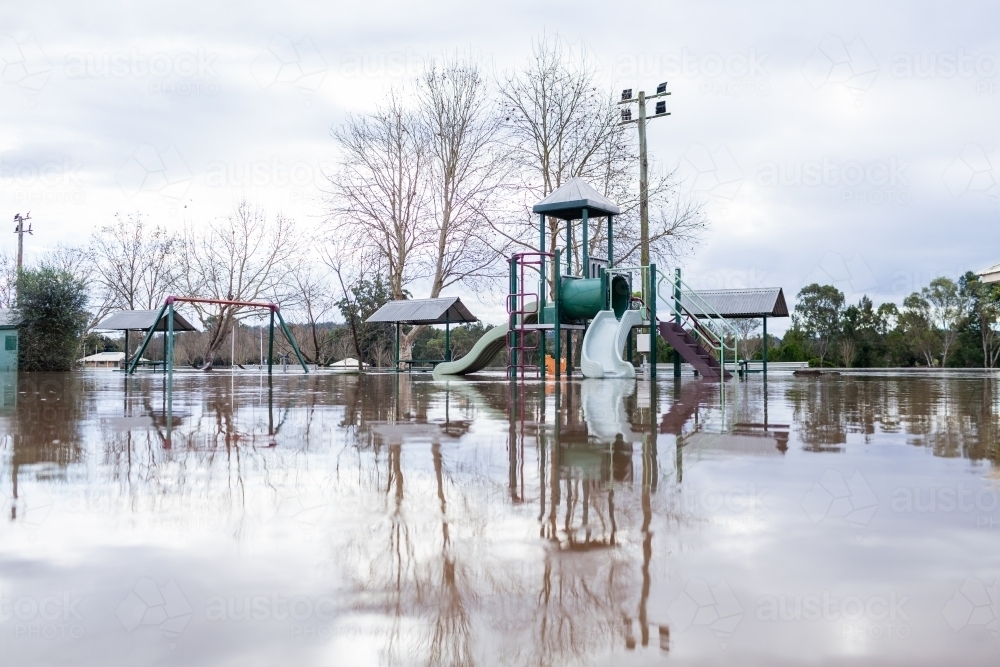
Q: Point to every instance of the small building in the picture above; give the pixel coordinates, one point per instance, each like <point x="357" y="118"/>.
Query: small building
<point x="8" y="341"/>
<point x="104" y="360"/>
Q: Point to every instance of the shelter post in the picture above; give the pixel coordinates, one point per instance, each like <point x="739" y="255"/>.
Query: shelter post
<point x="611" y="241"/>
<point x="557" y="309"/>
<point x="585" y="269"/>
<point x="764" y="353"/>
<point x="447" y="341"/>
<point x="397" y="348"/>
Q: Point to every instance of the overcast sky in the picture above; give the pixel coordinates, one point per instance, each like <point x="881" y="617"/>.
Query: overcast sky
<point x="852" y="143"/>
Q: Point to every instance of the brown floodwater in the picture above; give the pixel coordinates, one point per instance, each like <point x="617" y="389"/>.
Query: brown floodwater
<point x="398" y="520"/>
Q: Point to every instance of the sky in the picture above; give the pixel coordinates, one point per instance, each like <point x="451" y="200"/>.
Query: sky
<point x="850" y="143"/>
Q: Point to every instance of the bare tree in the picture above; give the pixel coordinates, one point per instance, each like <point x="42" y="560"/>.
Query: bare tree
<point x="312" y="286"/>
<point x="749" y="341"/>
<point x="244" y="257"/>
<point x="561" y="125"/>
<point x="132" y="263"/>
<point x="466" y="173"/>
<point x="8" y="280"/>
<point x="379" y="192"/>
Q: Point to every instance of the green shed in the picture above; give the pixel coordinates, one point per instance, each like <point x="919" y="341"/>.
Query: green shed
<point x="8" y="341"/>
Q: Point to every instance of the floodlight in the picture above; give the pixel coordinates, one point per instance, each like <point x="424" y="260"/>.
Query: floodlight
<point x="661" y="88"/>
<point x="626" y="95"/>
<point x="661" y="108"/>
<point x="626" y="115"/>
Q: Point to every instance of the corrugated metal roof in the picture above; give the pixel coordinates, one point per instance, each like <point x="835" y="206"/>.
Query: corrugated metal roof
<point x="141" y="320"/>
<point x="568" y="202"/>
<point x="990" y="274"/>
<point x="738" y="303"/>
<point x="7" y="318"/>
<point x="424" y="311"/>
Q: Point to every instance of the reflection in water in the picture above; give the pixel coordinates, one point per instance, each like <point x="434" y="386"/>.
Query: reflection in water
<point x="455" y="523"/>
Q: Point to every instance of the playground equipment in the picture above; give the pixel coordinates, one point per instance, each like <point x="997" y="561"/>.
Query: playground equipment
<point x="167" y="311"/>
<point x="544" y="303"/>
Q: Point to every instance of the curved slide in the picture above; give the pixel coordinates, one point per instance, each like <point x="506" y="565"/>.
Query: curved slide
<point x="604" y="343"/>
<point x="484" y="350"/>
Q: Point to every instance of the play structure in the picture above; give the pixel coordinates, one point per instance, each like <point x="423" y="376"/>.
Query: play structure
<point x="549" y="300"/>
<point x="167" y="321"/>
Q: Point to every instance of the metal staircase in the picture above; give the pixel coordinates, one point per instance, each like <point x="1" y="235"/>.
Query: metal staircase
<point x="692" y="351"/>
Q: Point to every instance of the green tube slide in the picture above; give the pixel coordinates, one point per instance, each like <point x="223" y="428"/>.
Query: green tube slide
<point x="483" y="351"/>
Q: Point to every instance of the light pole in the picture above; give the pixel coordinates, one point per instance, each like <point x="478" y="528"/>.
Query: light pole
<point x="661" y="110"/>
<point x="21" y="231"/>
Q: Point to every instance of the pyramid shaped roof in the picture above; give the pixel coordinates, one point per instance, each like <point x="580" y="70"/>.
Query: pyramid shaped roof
<point x="569" y="201"/>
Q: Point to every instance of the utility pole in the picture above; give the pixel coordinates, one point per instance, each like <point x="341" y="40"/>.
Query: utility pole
<point x="661" y="110"/>
<point x="21" y="231"/>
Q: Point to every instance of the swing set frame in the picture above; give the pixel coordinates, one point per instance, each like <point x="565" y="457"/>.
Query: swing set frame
<point x="168" y="309"/>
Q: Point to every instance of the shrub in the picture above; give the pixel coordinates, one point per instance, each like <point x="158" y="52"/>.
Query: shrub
<point x="52" y="310"/>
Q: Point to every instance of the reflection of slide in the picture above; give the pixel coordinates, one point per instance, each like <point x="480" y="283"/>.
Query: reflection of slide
<point x="603" y="345"/>
<point x="483" y="351"/>
<point x="604" y="410"/>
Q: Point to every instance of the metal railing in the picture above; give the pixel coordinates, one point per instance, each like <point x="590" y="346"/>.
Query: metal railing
<point x="683" y="302"/>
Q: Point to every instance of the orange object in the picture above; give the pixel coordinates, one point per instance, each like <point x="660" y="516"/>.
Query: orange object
<point x="550" y="364"/>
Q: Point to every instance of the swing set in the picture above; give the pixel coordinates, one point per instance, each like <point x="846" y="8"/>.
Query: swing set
<point x="168" y="310"/>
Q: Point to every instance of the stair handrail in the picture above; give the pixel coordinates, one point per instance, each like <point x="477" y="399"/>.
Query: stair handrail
<point x="678" y="308"/>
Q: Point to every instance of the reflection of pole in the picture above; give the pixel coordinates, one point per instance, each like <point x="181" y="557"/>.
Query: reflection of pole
<point x="764" y="357"/>
<point x="677" y="318"/>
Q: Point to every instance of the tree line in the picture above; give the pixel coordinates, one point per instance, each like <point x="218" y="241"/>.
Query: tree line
<point x="946" y="324"/>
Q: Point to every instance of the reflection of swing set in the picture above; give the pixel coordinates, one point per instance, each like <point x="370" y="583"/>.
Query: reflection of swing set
<point x="168" y="311"/>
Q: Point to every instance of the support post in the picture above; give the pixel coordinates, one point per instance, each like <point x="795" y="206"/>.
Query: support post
<point x="270" y="344"/>
<point x="611" y="241"/>
<point x="569" y="247"/>
<point x="585" y="269"/>
<point x="677" y="318"/>
<point x="557" y="309"/>
<point x="511" y="318"/>
<point x="149" y="337"/>
<point x="291" y="341"/>
<point x="397" y="348"/>
<point x="652" y="322"/>
<point x="447" y="339"/>
<point x="643" y="193"/>
<point x="168" y="357"/>
<point x="541" y="294"/>
<point x="765" y="345"/>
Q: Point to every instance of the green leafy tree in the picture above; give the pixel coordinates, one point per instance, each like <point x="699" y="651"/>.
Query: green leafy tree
<point x="360" y="302"/>
<point x="917" y="328"/>
<point x="982" y="304"/>
<point x="52" y="310"/>
<point x="945" y="312"/>
<point x="818" y="313"/>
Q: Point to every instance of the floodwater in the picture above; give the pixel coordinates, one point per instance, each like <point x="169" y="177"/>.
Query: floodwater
<point x="397" y="520"/>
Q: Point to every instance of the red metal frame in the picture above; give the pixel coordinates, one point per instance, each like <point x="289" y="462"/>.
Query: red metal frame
<point x="518" y="346"/>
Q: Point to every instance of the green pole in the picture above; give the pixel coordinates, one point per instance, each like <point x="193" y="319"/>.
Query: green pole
<point x="541" y="295"/>
<point x="291" y="341"/>
<point x="765" y="345"/>
<point x="586" y="244"/>
<point x="557" y="309"/>
<point x="447" y="339"/>
<point x="145" y="342"/>
<point x="397" y="347"/>
<point x="569" y="247"/>
<point x="611" y="241"/>
<point x="652" y="322"/>
<point x="677" y="318"/>
<point x="168" y="359"/>
<point x="270" y="344"/>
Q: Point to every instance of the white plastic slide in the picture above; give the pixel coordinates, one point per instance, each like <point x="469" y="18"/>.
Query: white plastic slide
<point x="484" y="350"/>
<point x="604" y="343"/>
